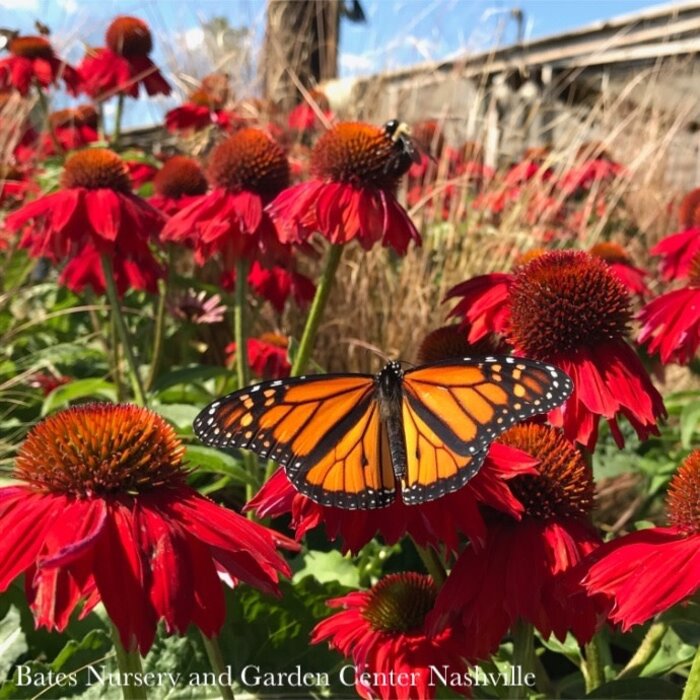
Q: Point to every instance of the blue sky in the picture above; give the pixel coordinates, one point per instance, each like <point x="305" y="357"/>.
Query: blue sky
<point x="398" y="32"/>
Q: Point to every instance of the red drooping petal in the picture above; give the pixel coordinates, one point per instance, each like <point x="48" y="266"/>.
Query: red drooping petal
<point x="120" y="576"/>
<point x="29" y="517"/>
<point x="171" y="574"/>
<point x="645" y="573"/>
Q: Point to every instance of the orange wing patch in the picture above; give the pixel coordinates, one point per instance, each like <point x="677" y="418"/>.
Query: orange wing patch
<point x="358" y="469"/>
<point x="433" y="469"/>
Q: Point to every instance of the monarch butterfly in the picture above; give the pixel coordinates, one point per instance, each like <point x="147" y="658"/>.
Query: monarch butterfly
<point x="348" y="440"/>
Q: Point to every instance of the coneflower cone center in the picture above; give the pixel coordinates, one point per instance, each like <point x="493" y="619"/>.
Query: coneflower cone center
<point x="30" y="47"/>
<point x="101" y="450"/>
<point x="610" y="252"/>
<point x="358" y="154"/>
<point x="400" y="602"/>
<point x="179" y="177"/>
<point x="683" y="498"/>
<point x="689" y="209"/>
<point x="129" y="37"/>
<point x="96" y="168"/>
<point x="694" y="271"/>
<point x="250" y="160"/>
<point x="564" y="301"/>
<point x="563" y="487"/>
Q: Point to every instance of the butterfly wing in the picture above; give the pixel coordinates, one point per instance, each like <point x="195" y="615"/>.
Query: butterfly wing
<point x="453" y="410"/>
<point x="325" y="431"/>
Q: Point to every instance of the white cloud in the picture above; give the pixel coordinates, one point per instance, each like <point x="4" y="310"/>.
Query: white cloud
<point x="70" y="7"/>
<point x="357" y="63"/>
<point x="193" y="38"/>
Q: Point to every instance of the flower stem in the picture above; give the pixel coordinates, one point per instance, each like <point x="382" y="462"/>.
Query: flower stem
<point x="216" y="660"/>
<point x="117" y="133"/>
<point x="239" y="322"/>
<point x="523" y="655"/>
<point x="240" y="336"/>
<point x="129" y="663"/>
<point x="432" y="563"/>
<point x="316" y="312"/>
<point x="115" y="359"/>
<point x="159" y="331"/>
<point x="645" y="652"/>
<point x="594" y="666"/>
<point x="139" y="394"/>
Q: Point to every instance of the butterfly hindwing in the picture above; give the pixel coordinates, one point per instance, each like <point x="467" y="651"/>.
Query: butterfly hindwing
<point x="432" y="468"/>
<point x="325" y="431"/>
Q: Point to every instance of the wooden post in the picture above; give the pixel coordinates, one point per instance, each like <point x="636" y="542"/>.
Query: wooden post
<point x="301" y="38"/>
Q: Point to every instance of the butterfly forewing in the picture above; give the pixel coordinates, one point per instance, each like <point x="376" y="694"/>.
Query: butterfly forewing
<point x="471" y="401"/>
<point x="325" y="431"/>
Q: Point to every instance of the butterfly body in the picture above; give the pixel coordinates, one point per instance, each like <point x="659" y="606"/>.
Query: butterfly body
<point x="389" y="392"/>
<point x="357" y="440"/>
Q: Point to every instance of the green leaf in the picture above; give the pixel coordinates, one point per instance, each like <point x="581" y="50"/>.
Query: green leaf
<point x="75" y="669"/>
<point x="213" y="461"/>
<point x="674" y="652"/>
<point x="12" y="641"/>
<point x="273" y="633"/>
<point x="638" y="688"/>
<point x="181" y="415"/>
<point x="689" y="422"/>
<point x="329" y="566"/>
<point x="79" y="389"/>
<point x="188" y="375"/>
<point x="569" y="647"/>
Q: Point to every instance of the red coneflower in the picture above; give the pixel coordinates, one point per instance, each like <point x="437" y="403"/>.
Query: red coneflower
<point x="141" y="172"/>
<point x="582" y="177"/>
<point x="204" y="107"/>
<point x="93" y="214"/>
<point x="275" y="284"/>
<point x="177" y="183"/>
<point x="620" y="263"/>
<point x="383" y="630"/>
<point x="267" y="355"/>
<point x="47" y="382"/>
<point x="671" y="322"/>
<point x="532" y="167"/>
<point x="651" y="570"/>
<point x="71" y="129"/>
<point x="428" y="134"/>
<point x="677" y="252"/>
<point x="523" y="564"/>
<point x="689" y="209"/>
<point x="435" y="523"/>
<point x="14" y="186"/>
<point x="484" y="304"/>
<point x="569" y="308"/>
<point x="124" y="64"/>
<point x="104" y="514"/>
<point x="356" y="169"/>
<point x="32" y="58"/>
<point x="452" y="341"/>
<point x="305" y="116"/>
<point x="247" y="170"/>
